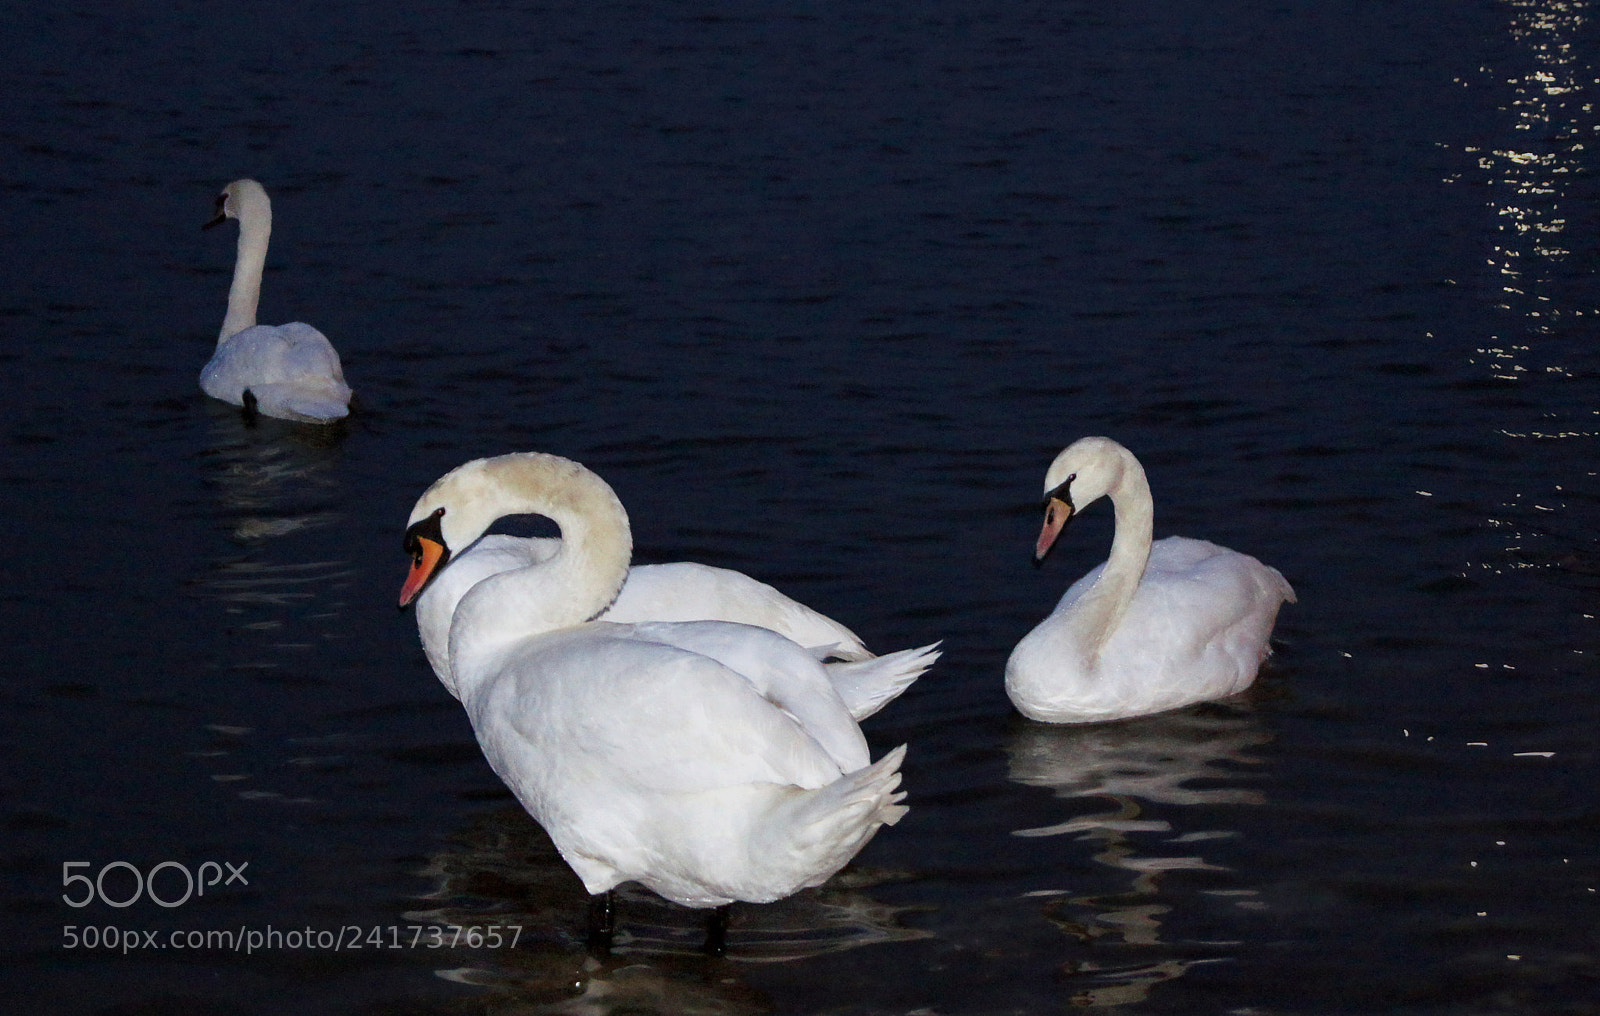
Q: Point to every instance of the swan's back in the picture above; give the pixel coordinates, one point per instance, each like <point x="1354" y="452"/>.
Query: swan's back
<point x="292" y="370"/>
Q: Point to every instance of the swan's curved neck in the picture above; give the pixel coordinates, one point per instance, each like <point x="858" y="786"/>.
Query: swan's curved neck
<point x="255" y="229"/>
<point x="1100" y="610"/>
<point x="579" y="582"/>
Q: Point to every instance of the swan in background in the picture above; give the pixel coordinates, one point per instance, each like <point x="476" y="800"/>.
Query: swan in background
<point x="681" y="591"/>
<point x="1156" y="626"/>
<point x="707" y="760"/>
<point x="288" y="371"/>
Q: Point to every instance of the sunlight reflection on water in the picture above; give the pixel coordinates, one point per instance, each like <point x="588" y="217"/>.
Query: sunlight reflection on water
<point x="1539" y="179"/>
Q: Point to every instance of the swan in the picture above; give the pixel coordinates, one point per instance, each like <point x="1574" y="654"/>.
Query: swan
<point x="288" y="371"/>
<point x="1157" y="625"/>
<point x="681" y="591"/>
<point x="710" y="761"/>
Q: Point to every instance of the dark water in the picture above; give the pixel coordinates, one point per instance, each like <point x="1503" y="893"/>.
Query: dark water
<point x="820" y="290"/>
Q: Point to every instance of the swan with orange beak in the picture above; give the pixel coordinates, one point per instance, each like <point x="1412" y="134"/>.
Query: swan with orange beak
<point x="1157" y="626"/>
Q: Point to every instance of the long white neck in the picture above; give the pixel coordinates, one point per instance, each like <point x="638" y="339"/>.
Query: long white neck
<point x="1100" y="610"/>
<point x="574" y="585"/>
<point x="436" y="607"/>
<point x="255" y="229"/>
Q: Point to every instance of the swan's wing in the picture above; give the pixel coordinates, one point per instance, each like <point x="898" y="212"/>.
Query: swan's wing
<point x="868" y="685"/>
<point x="268" y="354"/>
<point x="292" y="370"/>
<point x="604" y="706"/>
<point x="308" y="352"/>
<point x="779" y="671"/>
<point x="1206" y="563"/>
<point x="1196" y="595"/>
<point x="685" y="591"/>
<point x="234" y="365"/>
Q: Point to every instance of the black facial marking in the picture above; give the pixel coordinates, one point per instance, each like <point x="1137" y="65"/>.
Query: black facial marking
<point x="430" y="529"/>
<point x="222" y="212"/>
<point x="1062" y="492"/>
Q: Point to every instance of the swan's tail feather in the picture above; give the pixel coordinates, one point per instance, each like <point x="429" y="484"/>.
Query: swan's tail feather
<point x="868" y="685"/>
<point x="827" y="827"/>
<point x="873" y="792"/>
<point x="1282" y="586"/>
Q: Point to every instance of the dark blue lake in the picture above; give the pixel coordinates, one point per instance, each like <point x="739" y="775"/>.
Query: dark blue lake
<point x="820" y="290"/>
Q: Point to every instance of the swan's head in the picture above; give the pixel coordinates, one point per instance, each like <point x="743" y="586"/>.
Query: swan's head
<point x="1084" y="472"/>
<point x="238" y="199"/>
<point x="425" y="545"/>
<point x="466" y="501"/>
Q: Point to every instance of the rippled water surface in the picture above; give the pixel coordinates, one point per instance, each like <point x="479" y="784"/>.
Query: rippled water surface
<point x="820" y="290"/>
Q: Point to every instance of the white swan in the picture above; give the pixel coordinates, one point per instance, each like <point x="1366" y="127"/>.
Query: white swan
<point x="288" y="371"/>
<point x="708" y="760"/>
<point x="681" y="591"/>
<point x="1154" y="627"/>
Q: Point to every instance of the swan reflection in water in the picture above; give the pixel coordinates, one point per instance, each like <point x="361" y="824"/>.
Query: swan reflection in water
<point x="271" y="480"/>
<point x="506" y="872"/>
<point x="1197" y="757"/>
<point x="283" y="600"/>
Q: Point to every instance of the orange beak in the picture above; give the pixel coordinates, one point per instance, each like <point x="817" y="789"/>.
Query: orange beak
<point x="430" y="554"/>
<point x="1056" y="514"/>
